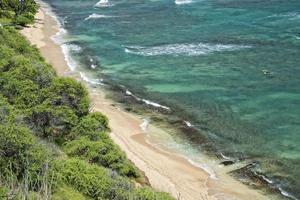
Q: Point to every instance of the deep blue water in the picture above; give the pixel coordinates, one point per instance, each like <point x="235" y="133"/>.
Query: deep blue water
<point x="232" y="65"/>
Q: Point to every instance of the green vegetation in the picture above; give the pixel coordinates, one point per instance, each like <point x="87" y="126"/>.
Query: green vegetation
<point x="20" y="12"/>
<point x="51" y="147"/>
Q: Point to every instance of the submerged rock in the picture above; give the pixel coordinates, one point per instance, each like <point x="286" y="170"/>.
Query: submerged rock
<point x="227" y="162"/>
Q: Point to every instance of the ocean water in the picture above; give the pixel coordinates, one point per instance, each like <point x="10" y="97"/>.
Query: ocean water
<point x="232" y="66"/>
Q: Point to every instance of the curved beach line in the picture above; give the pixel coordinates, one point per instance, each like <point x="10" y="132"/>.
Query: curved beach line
<point x="174" y="175"/>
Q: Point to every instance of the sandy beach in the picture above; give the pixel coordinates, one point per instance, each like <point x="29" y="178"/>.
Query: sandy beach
<point x="165" y="170"/>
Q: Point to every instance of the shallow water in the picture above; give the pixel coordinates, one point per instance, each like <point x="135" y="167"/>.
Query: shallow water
<point x="232" y="65"/>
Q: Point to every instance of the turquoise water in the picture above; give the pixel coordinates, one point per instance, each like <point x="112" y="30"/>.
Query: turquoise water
<point x="231" y="65"/>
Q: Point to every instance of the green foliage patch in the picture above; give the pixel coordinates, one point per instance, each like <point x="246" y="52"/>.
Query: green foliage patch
<point x="38" y="108"/>
<point x="20" y="12"/>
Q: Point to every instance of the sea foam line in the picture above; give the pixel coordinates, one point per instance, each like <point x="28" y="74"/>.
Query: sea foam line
<point x="147" y="101"/>
<point x="194" y="49"/>
<point x="67" y="49"/>
<point x="181" y="2"/>
<point x="225" y="157"/>
<point x="188" y="124"/>
<point x="103" y="3"/>
<point x="91" y="81"/>
<point x="97" y="16"/>
<point x="59" y="37"/>
<point x="271" y="182"/>
<point x="286" y="194"/>
<point x="288" y="15"/>
<point x="204" y="167"/>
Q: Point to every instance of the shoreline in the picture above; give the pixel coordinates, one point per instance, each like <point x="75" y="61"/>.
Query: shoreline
<point x="175" y="174"/>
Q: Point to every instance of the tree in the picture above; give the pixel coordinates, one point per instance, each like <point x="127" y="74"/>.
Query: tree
<point x="52" y="122"/>
<point x="68" y="92"/>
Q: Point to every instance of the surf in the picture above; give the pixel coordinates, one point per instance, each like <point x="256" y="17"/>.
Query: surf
<point x="196" y="49"/>
<point x="103" y="3"/>
<point x="97" y="16"/>
<point x="181" y="2"/>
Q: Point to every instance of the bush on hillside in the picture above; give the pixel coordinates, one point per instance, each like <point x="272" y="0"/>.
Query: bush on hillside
<point x="103" y="153"/>
<point x="22" y="20"/>
<point x="94" y="126"/>
<point x="21" y="14"/>
<point x="147" y="193"/>
<point x="21" y="156"/>
<point x="34" y="102"/>
<point x="70" y="93"/>
<point x="90" y="180"/>
<point x="52" y="122"/>
<point x="66" y="193"/>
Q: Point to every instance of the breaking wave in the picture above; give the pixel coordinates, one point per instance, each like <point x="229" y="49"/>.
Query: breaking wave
<point x="183" y="49"/>
<point x="180" y="2"/>
<point x="151" y="103"/>
<point x="97" y="16"/>
<point x="103" y="3"/>
<point x="204" y="167"/>
<point x="288" y="15"/>
<point x="91" y="81"/>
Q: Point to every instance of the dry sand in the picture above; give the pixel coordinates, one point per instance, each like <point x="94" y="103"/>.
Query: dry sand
<point x="165" y="170"/>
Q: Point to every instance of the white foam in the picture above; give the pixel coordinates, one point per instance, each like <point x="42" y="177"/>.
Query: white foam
<point x="298" y="38"/>
<point x="67" y="49"/>
<point x="129" y="93"/>
<point x="97" y="16"/>
<point x="59" y="37"/>
<point x="288" y="15"/>
<point x="180" y="2"/>
<point x="204" y="167"/>
<point x="148" y="102"/>
<point x="188" y="124"/>
<point x="286" y="194"/>
<point x="283" y="192"/>
<point x="144" y="125"/>
<point x="103" y="3"/>
<point x="225" y="157"/>
<point x="48" y="9"/>
<point x="266" y="179"/>
<point x="93" y="64"/>
<point x="182" y="49"/>
<point x="155" y="104"/>
<point x="90" y="81"/>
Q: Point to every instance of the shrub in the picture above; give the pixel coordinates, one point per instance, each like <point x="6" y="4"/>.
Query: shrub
<point x="6" y="111"/>
<point x="20" y="156"/>
<point x="23" y="94"/>
<point x="22" y="68"/>
<point x="7" y="14"/>
<point x="3" y="192"/>
<point x="22" y="20"/>
<point x="90" y="180"/>
<point x="52" y="122"/>
<point x="23" y="14"/>
<point x="68" y="92"/>
<point x="5" y="54"/>
<point x="93" y="125"/>
<point x="67" y="193"/>
<point x="102" y="152"/>
<point x="147" y="193"/>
